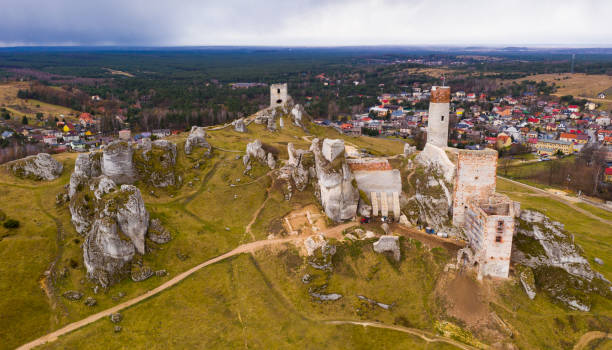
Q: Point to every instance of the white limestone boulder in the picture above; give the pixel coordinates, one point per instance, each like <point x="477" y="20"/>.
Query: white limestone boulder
<point x="37" y="167"/>
<point x="389" y="244"/>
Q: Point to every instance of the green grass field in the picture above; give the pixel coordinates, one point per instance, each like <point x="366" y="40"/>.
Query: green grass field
<point x="258" y="301"/>
<point x="593" y="236"/>
<point x="198" y="217"/>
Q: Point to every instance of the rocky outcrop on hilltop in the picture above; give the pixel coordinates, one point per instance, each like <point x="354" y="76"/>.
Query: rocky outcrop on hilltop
<point x="113" y="218"/>
<point x="336" y="187"/>
<point x="296" y="113"/>
<point x="255" y="151"/>
<point x="558" y="267"/>
<point x="239" y="125"/>
<point x="106" y="256"/>
<point x="100" y="210"/>
<point x="38" y="167"/>
<point x="294" y="175"/>
<point x="117" y="162"/>
<point x="432" y="200"/>
<point x="197" y="139"/>
<point x="155" y="163"/>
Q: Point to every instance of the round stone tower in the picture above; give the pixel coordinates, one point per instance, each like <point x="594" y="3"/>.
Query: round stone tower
<point x="439" y="110"/>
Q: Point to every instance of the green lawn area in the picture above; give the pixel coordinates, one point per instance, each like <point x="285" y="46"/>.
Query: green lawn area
<point x="602" y="213"/>
<point x="524" y="171"/>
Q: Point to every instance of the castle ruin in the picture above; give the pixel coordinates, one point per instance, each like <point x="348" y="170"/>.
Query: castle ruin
<point x="278" y="95"/>
<point x="486" y="217"/>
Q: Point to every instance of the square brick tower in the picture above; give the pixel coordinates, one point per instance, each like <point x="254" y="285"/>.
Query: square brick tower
<point x="439" y="110"/>
<point x="278" y="94"/>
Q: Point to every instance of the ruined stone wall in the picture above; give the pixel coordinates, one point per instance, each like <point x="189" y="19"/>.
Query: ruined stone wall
<point x="490" y="234"/>
<point x="495" y="255"/>
<point x="439" y="110"/>
<point x="278" y="94"/>
<point x="474" y="179"/>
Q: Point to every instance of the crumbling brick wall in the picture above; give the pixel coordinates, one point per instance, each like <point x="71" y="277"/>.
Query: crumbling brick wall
<point x="475" y="178"/>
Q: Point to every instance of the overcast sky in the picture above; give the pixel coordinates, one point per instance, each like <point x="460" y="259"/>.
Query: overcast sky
<point x="306" y="22"/>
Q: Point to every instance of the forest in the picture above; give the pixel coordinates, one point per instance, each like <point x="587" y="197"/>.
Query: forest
<point x="179" y="87"/>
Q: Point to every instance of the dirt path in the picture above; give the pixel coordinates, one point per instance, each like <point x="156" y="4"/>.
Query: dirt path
<point x="590" y="336"/>
<point x="245" y="248"/>
<point x="560" y="199"/>
<point x="428" y="337"/>
<point x="258" y="211"/>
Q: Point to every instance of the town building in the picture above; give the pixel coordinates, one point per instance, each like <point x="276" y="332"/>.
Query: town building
<point x="550" y="147"/>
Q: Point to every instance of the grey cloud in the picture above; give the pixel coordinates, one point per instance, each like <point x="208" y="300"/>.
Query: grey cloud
<point x="305" y="22"/>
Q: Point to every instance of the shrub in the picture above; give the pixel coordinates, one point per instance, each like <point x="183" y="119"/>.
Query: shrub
<point x="11" y="223"/>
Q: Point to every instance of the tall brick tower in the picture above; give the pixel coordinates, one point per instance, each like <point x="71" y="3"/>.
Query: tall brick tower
<point x="439" y="110"/>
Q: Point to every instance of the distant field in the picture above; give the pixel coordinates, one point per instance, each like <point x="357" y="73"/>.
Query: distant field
<point x="577" y="84"/>
<point x="20" y="107"/>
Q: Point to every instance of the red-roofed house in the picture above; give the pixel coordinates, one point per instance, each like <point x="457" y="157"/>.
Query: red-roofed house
<point x="85" y="118"/>
<point x="608" y="175"/>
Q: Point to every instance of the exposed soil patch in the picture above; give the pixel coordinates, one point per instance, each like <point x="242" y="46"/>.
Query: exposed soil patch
<point x="308" y="220"/>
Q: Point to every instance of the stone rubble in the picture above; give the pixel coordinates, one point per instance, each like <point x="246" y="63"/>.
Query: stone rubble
<point x="388" y="244"/>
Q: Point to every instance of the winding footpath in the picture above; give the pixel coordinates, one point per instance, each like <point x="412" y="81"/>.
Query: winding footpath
<point x="426" y="336"/>
<point x="245" y="248"/>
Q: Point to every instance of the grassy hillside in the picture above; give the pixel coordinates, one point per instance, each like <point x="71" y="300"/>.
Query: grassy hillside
<point x="29" y="108"/>
<point x="260" y="300"/>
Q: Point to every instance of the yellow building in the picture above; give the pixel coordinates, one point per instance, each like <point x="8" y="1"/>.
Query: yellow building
<point x="550" y="147"/>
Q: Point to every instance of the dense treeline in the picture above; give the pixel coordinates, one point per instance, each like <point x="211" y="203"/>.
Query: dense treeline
<point x="175" y="88"/>
<point x="64" y="97"/>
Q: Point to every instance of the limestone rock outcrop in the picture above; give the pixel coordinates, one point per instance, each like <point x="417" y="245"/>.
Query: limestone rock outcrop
<point x="335" y="183"/>
<point x="559" y="269"/>
<point x="106" y="256"/>
<point x="117" y="162"/>
<point x="432" y="202"/>
<point x="156" y="163"/>
<point x="294" y="174"/>
<point x="102" y="211"/>
<point x="434" y="156"/>
<point x="388" y="244"/>
<point x="408" y="150"/>
<point x="158" y="233"/>
<point x="37" y="167"/>
<point x="197" y="138"/>
<point x="332" y="148"/>
<point x="132" y="217"/>
<point x="239" y="125"/>
<point x="271" y="123"/>
<point x="86" y="166"/>
<point x="296" y="112"/>
<point x="255" y="151"/>
<point x="271" y="161"/>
